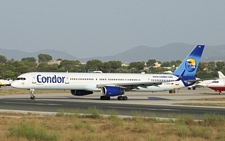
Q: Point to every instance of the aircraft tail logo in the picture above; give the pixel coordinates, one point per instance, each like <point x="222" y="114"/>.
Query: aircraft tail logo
<point x="190" y="64"/>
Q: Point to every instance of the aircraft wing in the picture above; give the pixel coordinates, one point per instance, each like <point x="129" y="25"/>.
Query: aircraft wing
<point x="130" y="86"/>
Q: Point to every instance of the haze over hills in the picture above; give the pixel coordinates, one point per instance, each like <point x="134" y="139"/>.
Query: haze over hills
<point x="18" y="55"/>
<point x="174" y="51"/>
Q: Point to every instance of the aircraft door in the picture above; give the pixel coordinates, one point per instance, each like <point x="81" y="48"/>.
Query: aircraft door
<point x="33" y="79"/>
<point x="67" y="79"/>
<point x="223" y="82"/>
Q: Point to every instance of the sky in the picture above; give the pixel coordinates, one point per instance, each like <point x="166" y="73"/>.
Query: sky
<point x="88" y="28"/>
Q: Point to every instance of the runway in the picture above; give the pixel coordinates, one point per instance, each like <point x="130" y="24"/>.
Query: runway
<point x="159" y="104"/>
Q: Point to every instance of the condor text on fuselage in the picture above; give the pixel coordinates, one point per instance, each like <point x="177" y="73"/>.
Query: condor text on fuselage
<point x="50" y="79"/>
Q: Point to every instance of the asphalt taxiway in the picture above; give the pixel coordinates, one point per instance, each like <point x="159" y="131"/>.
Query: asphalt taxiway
<point x="158" y="103"/>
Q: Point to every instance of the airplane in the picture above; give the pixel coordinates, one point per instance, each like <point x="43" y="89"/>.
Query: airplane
<point x="109" y="84"/>
<point x="219" y="84"/>
<point x="204" y="83"/>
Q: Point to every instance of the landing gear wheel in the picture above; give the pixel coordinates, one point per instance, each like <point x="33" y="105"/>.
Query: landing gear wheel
<point x="119" y="98"/>
<point x="122" y="98"/>
<point x="105" y="98"/>
<point x="125" y="98"/>
<point x="32" y="97"/>
<point x="32" y="94"/>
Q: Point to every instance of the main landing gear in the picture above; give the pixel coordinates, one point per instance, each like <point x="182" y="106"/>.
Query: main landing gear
<point x="105" y="97"/>
<point x="121" y="97"/>
<point x="32" y="94"/>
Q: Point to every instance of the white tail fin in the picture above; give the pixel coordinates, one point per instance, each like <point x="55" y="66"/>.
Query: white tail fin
<point x="221" y="74"/>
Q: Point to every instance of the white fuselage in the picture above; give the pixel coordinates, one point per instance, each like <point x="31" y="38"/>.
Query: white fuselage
<point x="93" y="81"/>
<point x="204" y="83"/>
<point x="218" y="85"/>
<point x="166" y="86"/>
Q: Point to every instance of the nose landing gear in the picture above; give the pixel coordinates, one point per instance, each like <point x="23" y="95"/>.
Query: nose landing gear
<point x="32" y="94"/>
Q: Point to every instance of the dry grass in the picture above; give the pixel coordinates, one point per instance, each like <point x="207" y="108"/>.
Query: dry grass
<point x="19" y="91"/>
<point x="210" y="103"/>
<point x="201" y="104"/>
<point x="81" y="128"/>
<point x="210" y="99"/>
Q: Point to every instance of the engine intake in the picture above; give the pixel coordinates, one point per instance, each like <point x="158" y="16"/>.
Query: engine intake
<point x="112" y="91"/>
<point x="80" y="92"/>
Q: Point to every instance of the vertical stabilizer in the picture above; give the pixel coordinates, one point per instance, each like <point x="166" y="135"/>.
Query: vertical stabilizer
<point x="221" y="74"/>
<point x="188" y="68"/>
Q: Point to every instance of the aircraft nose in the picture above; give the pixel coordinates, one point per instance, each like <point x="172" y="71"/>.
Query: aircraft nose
<point x="14" y="84"/>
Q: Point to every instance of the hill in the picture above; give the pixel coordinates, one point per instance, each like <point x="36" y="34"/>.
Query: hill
<point x="174" y="51"/>
<point x="18" y="55"/>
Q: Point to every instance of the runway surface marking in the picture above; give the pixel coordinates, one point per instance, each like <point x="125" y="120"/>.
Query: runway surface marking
<point x="31" y="103"/>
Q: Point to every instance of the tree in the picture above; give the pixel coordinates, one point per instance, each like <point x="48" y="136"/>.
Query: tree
<point x="201" y="66"/>
<point x="59" y="59"/>
<point x="3" y="59"/>
<point x="166" y="64"/>
<point x="44" y="57"/>
<point x="151" y="62"/>
<point x="94" y="65"/>
<point x="219" y="65"/>
<point x="68" y="65"/>
<point x="29" y="59"/>
<point x="175" y="63"/>
<point x="137" y="65"/>
<point x="211" y="66"/>
<point x="44" y="67"/>
<point x="111" y="66"/>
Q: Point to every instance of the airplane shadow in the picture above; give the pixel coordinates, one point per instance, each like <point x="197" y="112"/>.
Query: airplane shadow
<point x="157" y="98"/>
<point x="95" y="98"/>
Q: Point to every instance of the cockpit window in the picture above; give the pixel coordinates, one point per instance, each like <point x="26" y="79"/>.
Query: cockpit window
<point x="21" y="78"/>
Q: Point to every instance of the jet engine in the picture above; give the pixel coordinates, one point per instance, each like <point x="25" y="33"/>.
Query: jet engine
<point x="80" y="92"/>
<point x="112" y="91"/>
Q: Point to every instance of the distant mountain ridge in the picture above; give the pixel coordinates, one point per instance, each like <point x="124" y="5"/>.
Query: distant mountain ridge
<point x="18" y="55"/>
<point x="170" y="52"/>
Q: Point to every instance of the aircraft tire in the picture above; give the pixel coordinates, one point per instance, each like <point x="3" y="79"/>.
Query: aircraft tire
<point x="105" y="98"/>
<point x="119" y="98"/>
<point x="125" y="98"/>
<point x="32" y="97"/>
<point x="122" y="98"/>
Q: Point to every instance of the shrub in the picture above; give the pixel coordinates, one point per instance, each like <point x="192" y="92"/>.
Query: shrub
<point x="32" y="131"/>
